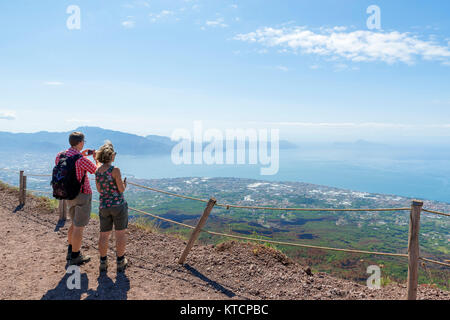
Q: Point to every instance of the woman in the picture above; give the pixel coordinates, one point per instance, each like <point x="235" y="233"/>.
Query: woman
<point x="113" y="207"/>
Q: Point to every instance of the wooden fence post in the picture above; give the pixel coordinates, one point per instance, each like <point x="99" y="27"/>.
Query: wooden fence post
<point x="413" y="249"/>
<point x="21" y="188"/>
<point x="197" y="230"/>
<point x="24" y="189"/>
<point x="62" y="210"/>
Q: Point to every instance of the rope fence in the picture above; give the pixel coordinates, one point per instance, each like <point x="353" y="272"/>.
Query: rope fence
<point x="264" y="208"/>
<point x="166" y="192"/>
<point x="437" y="212"/>
<point x="39" y="191"/>
<point x="38" y="175"/>
<point x="228" y="206"/>
<point x="10" y="170"/>
<point x="281" y="242"/>
<point x="413" y="242"/>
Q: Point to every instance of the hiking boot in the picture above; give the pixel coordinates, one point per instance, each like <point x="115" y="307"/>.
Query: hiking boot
<point x="69" y="255"/>
<point x="81" y="259"/>
<point x="122" y="265"/>
<point x="103" y="265"/>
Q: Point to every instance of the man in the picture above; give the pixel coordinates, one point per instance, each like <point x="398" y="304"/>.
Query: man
<point x="80" y="207"/>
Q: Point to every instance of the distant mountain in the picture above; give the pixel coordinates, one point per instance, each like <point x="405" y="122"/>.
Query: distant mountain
<point x="161" y="139"/>
<point x="40" y="141"/>
<point x="282" y="144"/>
<point x="124" y="143"/>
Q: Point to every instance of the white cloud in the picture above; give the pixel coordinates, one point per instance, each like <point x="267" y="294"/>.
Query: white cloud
<point x="219" y="22"/>
<point x="344" y="67"/>
<point x="342" y="124"/>
<point x="340" y="28"/>
<point x="129" y="24"/>
<point x="142" y="3"/>
<point x="53" y="83"/>
<point x="7" y="115"/>
<point x="349" y="125"/>
<point x="137" y="3"/>
<point x="282" y="68"/>
<point x="74" y="120"/>
<point x="358" y="46"/>
<point x="340" y="67"/>
<point x="163" y="14"/>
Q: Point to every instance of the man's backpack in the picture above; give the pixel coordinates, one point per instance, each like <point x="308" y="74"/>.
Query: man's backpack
<point x="64" y="178"/>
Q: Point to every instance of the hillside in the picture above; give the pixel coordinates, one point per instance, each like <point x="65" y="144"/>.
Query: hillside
<point x="32" y="248"/>
<point x="124" y="143"/>
<point x="44" y="141"/>
<point x="372" y="231"/>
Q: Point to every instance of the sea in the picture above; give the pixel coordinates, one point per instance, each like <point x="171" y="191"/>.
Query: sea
<point x="396" y="173"/>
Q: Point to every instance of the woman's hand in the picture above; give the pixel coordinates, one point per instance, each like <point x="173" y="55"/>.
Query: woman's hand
<point x="98" y="163"/>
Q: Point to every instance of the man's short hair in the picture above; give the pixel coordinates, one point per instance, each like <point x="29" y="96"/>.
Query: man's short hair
<point x="75" y="138"/>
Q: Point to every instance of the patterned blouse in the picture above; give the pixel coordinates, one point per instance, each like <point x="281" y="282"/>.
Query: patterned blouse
<point x="109" y="195"/>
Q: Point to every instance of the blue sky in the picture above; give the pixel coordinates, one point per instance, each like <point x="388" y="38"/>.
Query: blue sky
<point x="313" y="69"/>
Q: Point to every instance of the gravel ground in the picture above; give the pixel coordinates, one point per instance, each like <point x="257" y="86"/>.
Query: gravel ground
<point x="33" y="252"/>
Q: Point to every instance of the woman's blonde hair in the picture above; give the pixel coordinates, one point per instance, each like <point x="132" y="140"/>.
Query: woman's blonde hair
<point x="105" y="153"/>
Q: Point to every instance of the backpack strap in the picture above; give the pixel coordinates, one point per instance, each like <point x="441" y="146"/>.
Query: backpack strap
<point x="75" y="159"/>
<point x="61" y="156"/>
<point x="82" y="182"/>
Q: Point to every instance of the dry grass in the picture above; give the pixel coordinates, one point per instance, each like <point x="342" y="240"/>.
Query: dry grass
<point x="8" y="189"/>
<point x="42" y="203"/>
<point x="147" y="225"/>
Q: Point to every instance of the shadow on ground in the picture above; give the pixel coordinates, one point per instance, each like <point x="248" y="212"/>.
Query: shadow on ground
<point x="18" y="208"/>
<point x="210" y="282"/>
<point x="107" y="289"/>
<point x="60" y="224"/>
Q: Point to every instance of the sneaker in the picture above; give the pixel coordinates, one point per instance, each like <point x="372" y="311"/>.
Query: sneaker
<point x="122" y="265"/>
<point x="103" y="266"/>
<point x="81" y="259"/>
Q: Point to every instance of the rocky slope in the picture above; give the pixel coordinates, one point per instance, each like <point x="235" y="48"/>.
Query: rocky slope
<point x="32" y="260"/>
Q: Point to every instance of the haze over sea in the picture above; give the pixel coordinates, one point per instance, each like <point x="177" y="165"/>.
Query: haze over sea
<point x="411" y="171"/>
<point x="376" y="173"/>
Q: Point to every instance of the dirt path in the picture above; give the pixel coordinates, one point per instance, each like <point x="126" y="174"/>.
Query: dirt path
<point x="33" y="251"/>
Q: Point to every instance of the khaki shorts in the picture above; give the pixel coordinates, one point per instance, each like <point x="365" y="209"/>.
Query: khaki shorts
<point x="80" y="209"/>
<point x="117" y="216"/>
